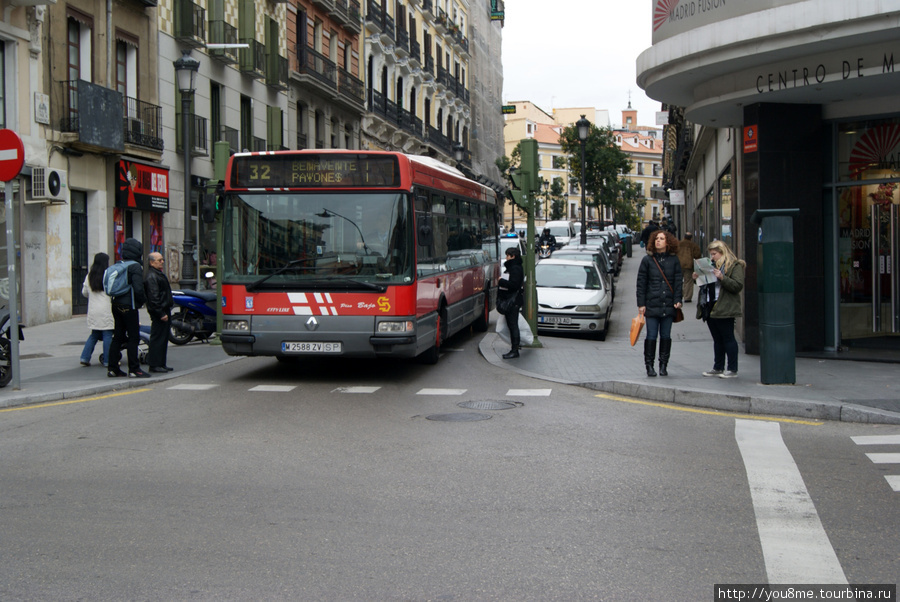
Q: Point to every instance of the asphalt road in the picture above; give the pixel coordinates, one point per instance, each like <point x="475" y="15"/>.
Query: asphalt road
<point x="261" y="480"/>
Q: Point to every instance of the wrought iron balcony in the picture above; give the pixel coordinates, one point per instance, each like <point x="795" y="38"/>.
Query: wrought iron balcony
<point x="189" y="23"/>
<point x="351" y="88"/>
<point x="253" y="59"/>
<point x="142" y="124"/>
<point x="276" y="71"/>
<point x="91" y="116"/>
<point x="316" y="69"/>
<point x="199" y="135"/>
<point x="220" y="32"/>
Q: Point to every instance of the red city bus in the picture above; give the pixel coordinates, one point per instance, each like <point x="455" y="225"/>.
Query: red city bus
<point x="354" y="254"/>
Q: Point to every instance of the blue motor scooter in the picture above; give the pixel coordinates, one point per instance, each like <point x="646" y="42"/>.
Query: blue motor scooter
<point x="194" y="316"/>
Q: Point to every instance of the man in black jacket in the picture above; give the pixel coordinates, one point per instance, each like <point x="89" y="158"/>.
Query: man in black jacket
<point x="125" y="314"/>
<point x="159" y="306"/>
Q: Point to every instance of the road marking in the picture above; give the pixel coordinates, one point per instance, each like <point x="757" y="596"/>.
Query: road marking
<point x="192" y="387"/>
<point x="82" y="400"/>
<point x="795" y="546"/>
<point x="671" y="406"/>
<point x="441" y="392"/>
<point x="893" y="481"/>
<point x="877" y="440"/>
<point x="884" y="458"/>
<point x="273" y="388"/>
<point x="529" y="392"/>
<point x="355" y="389"/>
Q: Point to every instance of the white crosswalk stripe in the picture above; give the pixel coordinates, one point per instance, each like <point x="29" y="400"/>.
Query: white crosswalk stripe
<point x="441" y="392"/>
<point x="273" y="388"/>
<point x="192" y="387"/>
<point x="529" y="392"/>
<point x="882" y="457"/>
<point x="364" y="390"/>
<point x="355" y="389"/>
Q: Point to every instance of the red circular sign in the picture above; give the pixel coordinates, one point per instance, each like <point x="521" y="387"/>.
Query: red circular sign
<point x="12" y="155"/>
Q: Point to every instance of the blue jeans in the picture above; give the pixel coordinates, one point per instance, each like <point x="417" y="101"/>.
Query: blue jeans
<point x="659" y="327"/>
<point x="92" y="340"/>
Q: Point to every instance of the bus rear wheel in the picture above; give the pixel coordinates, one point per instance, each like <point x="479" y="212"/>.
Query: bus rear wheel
<point x="484" y="320"/>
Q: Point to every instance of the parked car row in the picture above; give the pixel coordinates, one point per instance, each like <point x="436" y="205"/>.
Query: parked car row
<point x="576" y="285"/>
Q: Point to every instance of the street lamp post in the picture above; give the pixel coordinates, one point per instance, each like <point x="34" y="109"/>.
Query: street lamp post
<point x="584" y="128"/>
<point x="186" y="72"/>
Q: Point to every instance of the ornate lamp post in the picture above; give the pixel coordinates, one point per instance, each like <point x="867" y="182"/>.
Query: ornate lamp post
<point x="186" y="73"/>
<point x="584" y="128"/>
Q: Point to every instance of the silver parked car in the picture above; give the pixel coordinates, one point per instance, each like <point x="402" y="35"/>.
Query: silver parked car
<point x="572" y="297"/>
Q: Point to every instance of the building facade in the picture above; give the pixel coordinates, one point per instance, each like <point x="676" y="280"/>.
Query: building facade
<point x="798" y="110"/>
<point x="644" y="147"/>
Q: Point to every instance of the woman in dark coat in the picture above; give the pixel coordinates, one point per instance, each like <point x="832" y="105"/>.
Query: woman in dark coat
<point x="658" y="299"/>
<point x="510" y="286"/>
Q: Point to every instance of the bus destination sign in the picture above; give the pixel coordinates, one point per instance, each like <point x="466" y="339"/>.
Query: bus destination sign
<point x="314" y="170"/>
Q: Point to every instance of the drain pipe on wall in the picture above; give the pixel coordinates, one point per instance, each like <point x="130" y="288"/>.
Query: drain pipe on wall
<point x="109" y="45"/>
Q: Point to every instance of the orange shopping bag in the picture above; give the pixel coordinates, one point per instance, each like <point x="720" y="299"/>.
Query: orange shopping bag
<point x="637" y="325"/>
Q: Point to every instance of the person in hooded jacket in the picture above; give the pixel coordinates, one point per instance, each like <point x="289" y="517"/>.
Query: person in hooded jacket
<point x="125" y="314"/>
<point x="510" y="287"/>
<point x="659" y="289"/>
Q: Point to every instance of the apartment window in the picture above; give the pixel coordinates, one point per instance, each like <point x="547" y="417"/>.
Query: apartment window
<point x="215" y="111"/>
<point x="78" y="57"/>
<point x="246" y="123"/>
<point x="657" y="169"/>
<point x="640" y="169"/>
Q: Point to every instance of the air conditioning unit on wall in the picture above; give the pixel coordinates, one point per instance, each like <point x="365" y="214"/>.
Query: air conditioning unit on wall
<point x="50" y="185"/>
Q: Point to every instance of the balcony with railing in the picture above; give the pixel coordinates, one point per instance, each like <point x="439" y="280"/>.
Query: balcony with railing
<point x="415" y="52"/>
<point x="347" y="12"/>
<point x="438" y="139"/>
<point x="199" y="135"/>
<point x="429" y="65"/>
<point x="401" y="45"/>
<point x="91" y="116"/>
<point x="351" y="89"/>
<point x="378" y="20"/>
<point x="253" y="59"/>
<point x="143" y="124"/>
<point x="315" y="69"/>
<point x="428" y="9"/>
<point x="259" y="144"/>
<point x="189" y="23"/>
<point x="220" y="32"/>
<point x="276" y="71"/>
<point x="302" y="141"/>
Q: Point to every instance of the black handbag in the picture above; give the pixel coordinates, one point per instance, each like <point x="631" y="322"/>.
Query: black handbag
<point x="505" y="305"/>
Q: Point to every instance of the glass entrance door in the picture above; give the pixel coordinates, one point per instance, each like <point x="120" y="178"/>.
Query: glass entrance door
<point x="869" y="264"/>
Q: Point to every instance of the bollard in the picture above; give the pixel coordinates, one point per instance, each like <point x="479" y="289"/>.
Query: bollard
<point x="775" y="285"/>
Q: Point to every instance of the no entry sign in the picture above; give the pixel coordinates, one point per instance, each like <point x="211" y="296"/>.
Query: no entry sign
<point x="12" y="155"/>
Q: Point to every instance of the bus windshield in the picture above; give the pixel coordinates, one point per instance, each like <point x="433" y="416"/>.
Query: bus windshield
<point x="280" y="240"/>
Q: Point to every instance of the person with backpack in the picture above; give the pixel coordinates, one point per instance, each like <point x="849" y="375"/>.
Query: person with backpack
<point x="124" y="283"/>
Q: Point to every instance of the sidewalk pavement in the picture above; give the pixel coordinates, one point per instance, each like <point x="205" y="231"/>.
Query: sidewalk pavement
<point x="51" y="371"/>
<point x="826" y="389"/>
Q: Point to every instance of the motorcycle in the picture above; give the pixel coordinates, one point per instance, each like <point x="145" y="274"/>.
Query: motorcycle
<point x="5" y="350"/>
<point x="195" y="318"/>
<point x="545" y="251"/>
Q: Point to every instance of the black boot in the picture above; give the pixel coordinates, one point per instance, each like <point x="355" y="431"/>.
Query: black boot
<point x="665" y="349"/>
<point x="650" y="356"/>
<point x="514" y="352"/>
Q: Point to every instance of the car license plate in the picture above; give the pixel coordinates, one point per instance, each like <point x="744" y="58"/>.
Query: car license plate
<point x="311" y="347"/>
<point x="554" y="320"/>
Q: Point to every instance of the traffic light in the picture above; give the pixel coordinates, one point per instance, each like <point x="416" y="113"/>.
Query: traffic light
<point x="209" y="207"/>
<point x="528" y="150"/>
<point x="520" y="198"/>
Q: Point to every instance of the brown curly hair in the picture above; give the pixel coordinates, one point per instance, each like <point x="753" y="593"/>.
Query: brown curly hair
<point x="671" y="242"/>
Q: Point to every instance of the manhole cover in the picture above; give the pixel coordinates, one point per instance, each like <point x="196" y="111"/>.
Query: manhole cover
<point x="459" y="417"/>
<point x="489" y="404"/>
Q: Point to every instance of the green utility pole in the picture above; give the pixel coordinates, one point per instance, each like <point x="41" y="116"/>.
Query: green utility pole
<point x="526" y="185"/>
<point x="222" y="153"/>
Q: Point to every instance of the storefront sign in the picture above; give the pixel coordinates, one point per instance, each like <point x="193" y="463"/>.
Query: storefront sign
<point x="751" y="139"/>
<point x="673" y="17"/>
<point x="866" y="153"/>
<point x="142" y="186"/>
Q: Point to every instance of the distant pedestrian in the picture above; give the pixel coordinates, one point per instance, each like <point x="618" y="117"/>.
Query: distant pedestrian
<point x="159" y="306"/>
<point x="651" y="227"/>
<point x="719" y="304"/>
<point x="510" y="287"/>
<point x="658" y="296"/>
<point x="688" y="251"/>
<point x="99" y="315"/>
<point x="125" y="313"/>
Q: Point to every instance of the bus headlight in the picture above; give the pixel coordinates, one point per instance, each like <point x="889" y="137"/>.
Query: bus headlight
<point x="243" y="325"/>
<point x="395" y="326"/>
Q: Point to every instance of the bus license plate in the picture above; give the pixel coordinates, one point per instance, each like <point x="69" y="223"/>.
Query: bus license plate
<point x="311" y="347"/>
<point x="554" y="320"/>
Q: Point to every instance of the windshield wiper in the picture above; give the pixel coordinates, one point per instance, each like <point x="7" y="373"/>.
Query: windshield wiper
<point x="291" y="264"/>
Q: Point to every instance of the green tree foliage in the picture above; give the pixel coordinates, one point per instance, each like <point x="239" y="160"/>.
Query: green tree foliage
<point x="603" y="161"/>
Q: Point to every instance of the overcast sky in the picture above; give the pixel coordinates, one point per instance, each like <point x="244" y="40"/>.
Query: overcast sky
<point x="577" y="53"/>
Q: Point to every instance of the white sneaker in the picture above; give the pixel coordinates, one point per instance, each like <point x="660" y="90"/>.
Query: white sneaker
<point x="728" y="374"/>
<point x="714" y="372"/>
